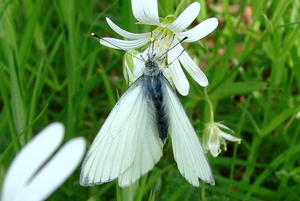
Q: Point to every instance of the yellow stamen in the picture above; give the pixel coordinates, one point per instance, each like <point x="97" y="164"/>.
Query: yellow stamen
<point x="167" y="45"/>
<point x="158" y="30"/>
<point x="167" y="36"/>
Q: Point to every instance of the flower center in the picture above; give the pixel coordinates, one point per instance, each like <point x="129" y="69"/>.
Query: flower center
<point x="162" y="38"/>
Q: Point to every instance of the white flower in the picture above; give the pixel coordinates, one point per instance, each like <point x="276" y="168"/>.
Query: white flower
<point x="213" y="137"/>
<point x="32" y="175"/>
<point x="169" y="32"/>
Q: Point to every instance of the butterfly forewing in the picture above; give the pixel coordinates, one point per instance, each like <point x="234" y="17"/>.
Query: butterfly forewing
<point x="127" y="144"/>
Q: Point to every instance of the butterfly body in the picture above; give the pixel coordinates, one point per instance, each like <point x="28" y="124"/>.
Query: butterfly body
<point x="154" y="89"/>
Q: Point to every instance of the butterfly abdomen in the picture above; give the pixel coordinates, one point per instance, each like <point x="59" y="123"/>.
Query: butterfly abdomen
<point x="154" y="89"/>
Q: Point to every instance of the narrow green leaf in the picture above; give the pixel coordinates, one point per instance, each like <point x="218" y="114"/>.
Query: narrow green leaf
<point x="152" y="196"/>
<point x="17" y="102"/>
<point x="277" y="121"/>
<point x="231" y="89"/>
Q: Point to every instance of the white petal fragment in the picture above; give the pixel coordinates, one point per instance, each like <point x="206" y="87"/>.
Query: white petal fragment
<point x="124" y="33"/>
<point x="146" y="12"/>
<point x="186" y="18"/>
<point x="178" y="77"/>
<point x="199" y="31"/>
<point x="124" y="44"/>
<point x="30" y="159"/>
<point x="56" y="171"/>
<point x="223" y="126"/>
<point x="230" y="137"/>
<point x="214" y="149"/>
<point x="193" y="69"/>
<point x="151" y="11"/>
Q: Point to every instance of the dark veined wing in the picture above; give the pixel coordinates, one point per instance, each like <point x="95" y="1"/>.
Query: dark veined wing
<point x="188" y="152"/>
<point x="127" y="146"/>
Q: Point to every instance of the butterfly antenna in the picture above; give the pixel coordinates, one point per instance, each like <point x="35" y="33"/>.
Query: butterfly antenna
<point x="175" y="58"/>
<point x="101" y="38"/>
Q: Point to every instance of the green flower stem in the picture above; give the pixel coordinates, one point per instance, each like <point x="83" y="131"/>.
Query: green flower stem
<point x="211" y="120"/>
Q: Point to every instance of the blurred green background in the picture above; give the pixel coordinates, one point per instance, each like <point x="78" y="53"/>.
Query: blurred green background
<point x="51" y="69"/>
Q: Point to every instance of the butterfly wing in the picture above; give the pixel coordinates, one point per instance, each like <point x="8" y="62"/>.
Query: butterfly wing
<point x="188" y="152"/>
<point x="148" y="153"/>
<point x="122" y="146"/>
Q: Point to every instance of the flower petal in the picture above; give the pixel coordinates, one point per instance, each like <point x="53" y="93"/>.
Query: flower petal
<point x="30" y="159"/>
<point x="223" y="126"/>
<point x="124" y="33"/>
<point x="192" y="68"/>
<point x="214" y="144"/>
<point x="178" y="77"/>
<point x="124" y="44"/>
<point x="56" y="171"/>
<point x="199" y="31"/>
<point x="146" y="12"/>
<point x="185" y="18"/>
<point x="230" y="137"/>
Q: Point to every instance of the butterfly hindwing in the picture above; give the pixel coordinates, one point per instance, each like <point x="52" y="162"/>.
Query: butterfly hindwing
<point x="188" y="152"/>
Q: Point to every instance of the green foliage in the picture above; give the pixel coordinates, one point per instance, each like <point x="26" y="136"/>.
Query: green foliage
<point x="51" y="69"/>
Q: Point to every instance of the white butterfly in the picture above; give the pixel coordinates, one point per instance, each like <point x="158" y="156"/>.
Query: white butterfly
<point x="131" y="139"/>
